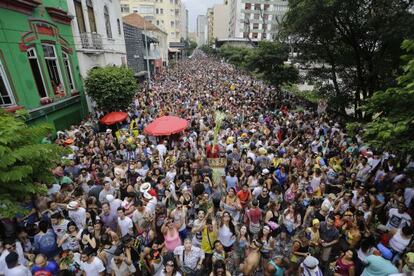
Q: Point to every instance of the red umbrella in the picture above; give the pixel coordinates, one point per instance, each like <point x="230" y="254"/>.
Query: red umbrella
<point x="166" y="125"/>
<point x="113" y="118"/>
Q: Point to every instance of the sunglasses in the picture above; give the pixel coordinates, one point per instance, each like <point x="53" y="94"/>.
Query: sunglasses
<point x="169" y="264"/>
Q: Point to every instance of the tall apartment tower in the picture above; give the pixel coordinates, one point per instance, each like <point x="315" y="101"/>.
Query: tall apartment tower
<point x="168" y="15"/>
<point x="256" y="19"/>
<point x="201" y="30"/>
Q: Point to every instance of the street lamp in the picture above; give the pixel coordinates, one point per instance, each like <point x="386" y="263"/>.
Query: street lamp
<point x="146" y="49"/>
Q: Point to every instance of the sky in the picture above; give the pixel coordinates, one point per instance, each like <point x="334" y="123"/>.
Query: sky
<point x="197" y="7"/>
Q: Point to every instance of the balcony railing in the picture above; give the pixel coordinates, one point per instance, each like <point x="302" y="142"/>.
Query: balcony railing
<point x="91" y="41"/>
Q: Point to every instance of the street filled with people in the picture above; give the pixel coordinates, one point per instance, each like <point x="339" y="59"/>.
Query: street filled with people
<point x="259" y="183"/>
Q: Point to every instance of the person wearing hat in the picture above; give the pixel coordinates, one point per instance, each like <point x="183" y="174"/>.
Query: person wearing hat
<point x="13" y="268"/>
<point x="310" y="267"/>
<point x="77" y="214"/>
<point x="312" y="233"/>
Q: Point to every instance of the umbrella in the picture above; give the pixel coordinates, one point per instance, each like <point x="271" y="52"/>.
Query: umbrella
<point x="113" y="118"/>
<point x="166" y="125"/>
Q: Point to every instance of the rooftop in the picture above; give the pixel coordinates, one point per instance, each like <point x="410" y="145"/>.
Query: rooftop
<point x="135" y="20"/>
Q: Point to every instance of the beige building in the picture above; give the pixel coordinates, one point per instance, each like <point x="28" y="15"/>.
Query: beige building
<point x="210" y="25"/>
<point x="221" y="21"/>
<point x="168" y="15"/>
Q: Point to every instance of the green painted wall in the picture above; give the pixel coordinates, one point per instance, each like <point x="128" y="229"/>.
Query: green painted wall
<point x="18" y="31"/>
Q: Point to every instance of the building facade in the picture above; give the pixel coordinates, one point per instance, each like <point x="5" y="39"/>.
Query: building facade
<point x="201" y="31"/>
<point x="256" y="20"/>
<point x="221" y="16"/>
<point x="98" y="32"/>
<point x="156" y="40"/>
<point x="210" y="26"/>
<point x="168" y="15"/>
<point x="39" y="69"/>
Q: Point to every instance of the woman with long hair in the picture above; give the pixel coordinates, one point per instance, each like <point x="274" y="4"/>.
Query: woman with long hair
<point x="345" y="265"/>
<point x="219" y="269"/>
<point x="170" y="268"/>
<point x="268" y="243"/>
<point x="291" y="219"/>
<point x="231" y="204"/>
<point x="227" y="231"/>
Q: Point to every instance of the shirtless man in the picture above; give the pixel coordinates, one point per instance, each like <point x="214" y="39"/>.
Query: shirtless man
<point x="252" y="261"/>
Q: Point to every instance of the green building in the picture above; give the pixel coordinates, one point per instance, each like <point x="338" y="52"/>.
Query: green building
<point x="38" y="64"/>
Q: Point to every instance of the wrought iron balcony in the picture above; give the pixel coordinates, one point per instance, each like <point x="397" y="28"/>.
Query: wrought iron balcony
<point x="91" y="41"/>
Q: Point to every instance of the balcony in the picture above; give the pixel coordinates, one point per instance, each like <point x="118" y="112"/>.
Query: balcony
<point x="91" y="41"/>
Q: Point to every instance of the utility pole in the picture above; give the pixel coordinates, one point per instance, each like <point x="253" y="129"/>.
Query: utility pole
<point x="146" y="49"/>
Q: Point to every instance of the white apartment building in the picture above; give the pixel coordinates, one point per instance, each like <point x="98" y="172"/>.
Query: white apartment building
<point x="165" y="14"/>
<point x="201" y="30"/>
<point x="98" y="33"/>
<point x="256" y="19"/>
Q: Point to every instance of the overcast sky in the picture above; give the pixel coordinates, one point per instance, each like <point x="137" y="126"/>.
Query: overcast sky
<point x="197" y="7"/>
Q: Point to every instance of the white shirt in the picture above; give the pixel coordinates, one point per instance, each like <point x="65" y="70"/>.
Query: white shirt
<point x="124" y="225"/>
<point x="17" y="271"/>
<point x="122" y="270"/>
<point x="161" y="149"/>
<point x="150" y="207"/>
<point x="397" y="220"/>
<point x="78" y="216"/>
<point x="93" y="268"/>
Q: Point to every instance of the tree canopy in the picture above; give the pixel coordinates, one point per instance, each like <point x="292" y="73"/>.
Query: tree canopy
<point x="392" y="127"/>
<point x="350" y="49"/>
<point x="267" y="61"/>
<point x="112" y="88"/>
<point x="25" y="163"/>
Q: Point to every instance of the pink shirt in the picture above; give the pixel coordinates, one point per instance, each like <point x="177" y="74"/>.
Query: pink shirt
<point x="172" y="240"/>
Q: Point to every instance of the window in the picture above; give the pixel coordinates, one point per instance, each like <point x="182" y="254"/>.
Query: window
<point x="146" y="9"/>
<point x="124" y="8"/>
<point x="91" y="16"/>
<point x="161" y="11"/>
<point x="256" y="16"/>
<point x="37" y="73"/>
<point x="266" y="7"/>
<point x="248" y="6"/>
<point x="171" y="1"/>
<point x="118" y="22"/>
<point x="254" y="35"/>
<point x="265" y="16"/>
<point x="255" y="26"/>
<point x="53" y="68"/>
<point x="6" y="95"/>
<point x="107" y="22"/>
<point x="157" y="11"/>
<point x="68" y="69"/>
<point x="172" y="23"/>
<point x="257" y="7"/>
<point x="245" y="35"/>
<point x="158" y="22"/>
<point x="79" y="16"/>
<point x="264" y="27"/>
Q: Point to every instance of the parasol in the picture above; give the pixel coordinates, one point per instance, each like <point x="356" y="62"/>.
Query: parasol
<point x="166" y="125"/>
<point x="113" y="118"/>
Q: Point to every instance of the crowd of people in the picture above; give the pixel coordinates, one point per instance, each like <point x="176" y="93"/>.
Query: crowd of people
<point x="296" y="195"/>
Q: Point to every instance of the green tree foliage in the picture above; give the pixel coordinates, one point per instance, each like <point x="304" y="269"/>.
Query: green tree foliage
<point x="392" y="127"/>
<point x="267" y="61"/>
<point x="112" y="88"/>
<point x="350" y="48"/>
<point x="25" y="164"/>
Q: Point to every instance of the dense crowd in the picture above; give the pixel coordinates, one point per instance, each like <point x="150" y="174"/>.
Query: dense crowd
<point x="296" y="196"/>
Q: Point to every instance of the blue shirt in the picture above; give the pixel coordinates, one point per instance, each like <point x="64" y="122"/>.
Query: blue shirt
<point x="378" y="266"/>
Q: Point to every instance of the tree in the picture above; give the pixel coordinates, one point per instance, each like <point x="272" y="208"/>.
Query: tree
<point x="112" y="88"/>
<point x="350" y="48"/>
<point x="392" y="127"/>
<point x="25" y="164"/>
<point x="268" y="62"/>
